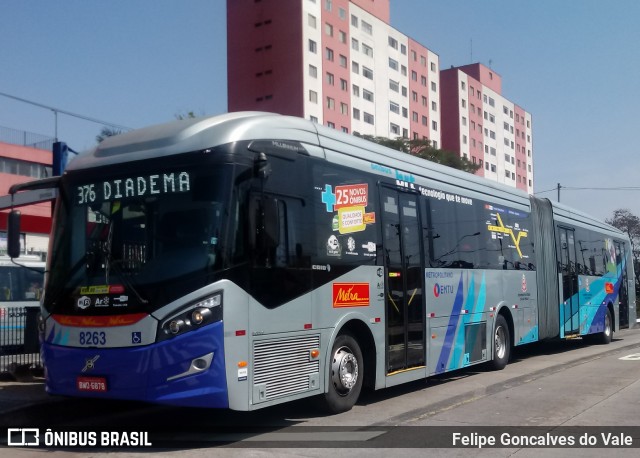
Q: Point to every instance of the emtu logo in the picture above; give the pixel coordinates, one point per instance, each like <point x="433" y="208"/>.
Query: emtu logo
<point x="439" y="289"/>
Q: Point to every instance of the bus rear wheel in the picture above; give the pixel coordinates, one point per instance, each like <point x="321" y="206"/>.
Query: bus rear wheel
<point x="346" y="372"/>
<point x="501" y="344"/>
<point x="605" y="336"/>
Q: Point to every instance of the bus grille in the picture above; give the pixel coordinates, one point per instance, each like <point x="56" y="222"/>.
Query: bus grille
<point x="284" y="366"/>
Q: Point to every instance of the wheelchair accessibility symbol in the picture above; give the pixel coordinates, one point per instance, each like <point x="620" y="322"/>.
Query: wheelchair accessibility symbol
<point x="136" y="337"/>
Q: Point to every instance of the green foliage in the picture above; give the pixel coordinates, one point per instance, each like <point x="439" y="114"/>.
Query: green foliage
<point x="629" y="223"/>
<point x="423" y="149"/>
<point x="107" y="132"/>
<point x="188" y="115"/>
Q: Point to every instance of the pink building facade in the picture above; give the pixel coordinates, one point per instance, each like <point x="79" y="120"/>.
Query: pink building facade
<point x="340" y="63"/>
<point x="336" y="62"/>
<point x="485" y="127"/>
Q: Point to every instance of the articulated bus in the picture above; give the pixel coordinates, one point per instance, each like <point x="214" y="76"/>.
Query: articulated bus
<point x="249" y="259"/>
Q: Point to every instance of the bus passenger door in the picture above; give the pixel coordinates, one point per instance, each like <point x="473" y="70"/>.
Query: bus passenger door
<point x="404" y="280"/>
<point x="569" y="281"/>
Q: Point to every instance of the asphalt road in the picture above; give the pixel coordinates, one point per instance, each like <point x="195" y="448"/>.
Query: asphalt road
<point x="563" y="391"/>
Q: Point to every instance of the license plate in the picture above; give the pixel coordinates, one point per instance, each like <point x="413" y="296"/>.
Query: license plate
<point x="93" y="384"/>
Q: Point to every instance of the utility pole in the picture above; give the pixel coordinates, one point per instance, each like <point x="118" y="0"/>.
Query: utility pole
<point x="559" y="192"/>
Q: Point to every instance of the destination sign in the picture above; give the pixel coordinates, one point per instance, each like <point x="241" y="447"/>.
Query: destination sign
<point x="139" y="186"/>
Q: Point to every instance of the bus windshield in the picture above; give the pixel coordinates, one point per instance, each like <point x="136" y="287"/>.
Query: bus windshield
<point x="132" y="242"/>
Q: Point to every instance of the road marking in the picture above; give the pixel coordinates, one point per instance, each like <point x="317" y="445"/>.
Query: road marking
<point x="632" y="357"/>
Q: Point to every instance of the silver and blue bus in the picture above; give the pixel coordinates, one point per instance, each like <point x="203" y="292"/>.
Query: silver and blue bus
<point x="250" y="259"/>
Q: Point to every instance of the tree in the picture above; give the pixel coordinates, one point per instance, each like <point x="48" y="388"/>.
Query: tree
<point x="107" y="132"/>
<point x="629" y="223"/>
<point x="425" y="150"/>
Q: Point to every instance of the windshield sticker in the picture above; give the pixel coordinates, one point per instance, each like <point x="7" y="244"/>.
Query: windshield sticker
<point x="350" y="295"/>
<point x="165" y="183"/>
<point x="350" y="202"/>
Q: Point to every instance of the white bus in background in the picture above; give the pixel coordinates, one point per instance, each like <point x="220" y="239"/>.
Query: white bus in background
<point x="20" y="287"/>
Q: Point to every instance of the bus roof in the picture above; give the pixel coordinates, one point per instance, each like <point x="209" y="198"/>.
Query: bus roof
<point x="201" y="133"/>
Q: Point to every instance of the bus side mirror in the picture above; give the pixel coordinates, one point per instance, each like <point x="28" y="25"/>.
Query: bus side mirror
<point x="13" y="234"/>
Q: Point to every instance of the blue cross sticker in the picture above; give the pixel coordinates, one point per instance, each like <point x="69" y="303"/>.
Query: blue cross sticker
<point x="328" y="197"/>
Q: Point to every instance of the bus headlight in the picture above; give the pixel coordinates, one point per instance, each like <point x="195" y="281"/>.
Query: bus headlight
<point x="191" y="317"/>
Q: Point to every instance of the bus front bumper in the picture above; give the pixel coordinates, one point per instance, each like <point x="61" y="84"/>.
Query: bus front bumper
<point x="187" y="370"/>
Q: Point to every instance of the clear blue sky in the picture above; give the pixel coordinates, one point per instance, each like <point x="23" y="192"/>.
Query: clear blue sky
<point x="573" y="64"/>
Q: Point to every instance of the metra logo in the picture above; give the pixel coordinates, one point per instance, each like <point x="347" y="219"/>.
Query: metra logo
<point x="439" y="289"/>
<point x="350" y="295"/>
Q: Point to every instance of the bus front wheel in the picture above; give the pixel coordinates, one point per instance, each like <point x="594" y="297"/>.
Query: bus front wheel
<point x="346" y="371"/>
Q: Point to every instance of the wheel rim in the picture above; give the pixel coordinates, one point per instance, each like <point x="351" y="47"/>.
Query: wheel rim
<point x="500" y="342"/>
<point x="607" y="325"/>
<point x="344" y="371"/>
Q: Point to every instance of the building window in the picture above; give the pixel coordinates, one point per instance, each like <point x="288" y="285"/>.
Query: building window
<point x="328" y="5"/>
<point x="424" y="101"/>
<point x="434" y="87"/>
<point x="344" y="85"/>
<point x="423" y="61"/>
<point x="434" y="125"/>
<point x="368" y="118"/>
<point x="342" y="36"/>
<point x="434" y="106"/>
<point x="425" y="122"/>
<point x="464" y="121"/>
<point x="395" y="129"/>
<point x="356" y="114"/>
<point x="393" y="43"/>
<point x="313" y="71"/>
<point x="414" y="76"/>
<point x="403" y="50"/>
<point x="366" y="27"/>
<point x="493" y="168"/>
<point x="356" y="91"/>
<point x="433" y="66"/>
<point x="331" y="103"/>
<point x="464" y="103"/>
<point x="414" y="96"/>
<point x="313" y="97"/>
<point x="355" y="44"/>
<point x="313" y="47"/>
<point x="313" y="119"/>
<point x="342" y="13"/>
<point x="367" y="72"/>
<point x="367" y="95"/>
<point x="404" y="91"/>
<point x="394" y="86"/>
<point x="355" y="67"/>
<point x="405" y="112"/>
<point x="331" y="124"/>
<point x="394" y="107"/>
<point x="403" y="70"/>
<point x="344" y="108"/>
<point x="367" y="50"/>
<point x="328" y="29"/>
<point x="329" y="54"/>
<point x="311" y="19"/>
<point x="343" y="61"/>
<point x="393" y="64"/>
<point x="414" y="116"/>
<point x="330" y="79"/>
<point x="354" y="21"/>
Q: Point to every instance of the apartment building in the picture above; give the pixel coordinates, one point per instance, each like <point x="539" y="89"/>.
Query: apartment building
<point x="485" y="127"/>
<point x="336" y="62"/>
<point x="341" y="64"/>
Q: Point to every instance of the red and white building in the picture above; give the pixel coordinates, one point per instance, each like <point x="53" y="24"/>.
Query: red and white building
<point x="486" y="128"/>
<point x="336" y="62"/>
<point x="341" y="64"/>
<point x="20" y="161"/>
